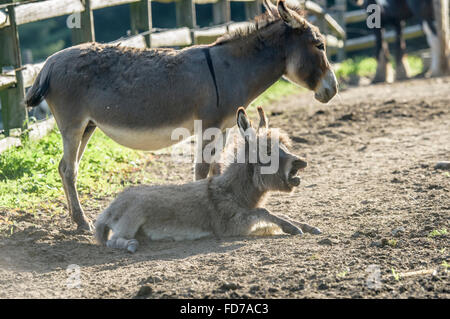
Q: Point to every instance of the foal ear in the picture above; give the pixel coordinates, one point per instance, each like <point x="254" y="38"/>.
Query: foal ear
<point x="245" y="127"/>
<point x="296" y="22"/>
<point x="263" y="121"/>
<point x="270" y="7"/>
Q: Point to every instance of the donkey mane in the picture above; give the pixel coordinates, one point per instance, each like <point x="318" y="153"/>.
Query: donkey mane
<point x="257" y="26"/>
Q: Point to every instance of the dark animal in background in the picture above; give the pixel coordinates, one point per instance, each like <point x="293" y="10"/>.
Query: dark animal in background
<point x="395" y="13"/>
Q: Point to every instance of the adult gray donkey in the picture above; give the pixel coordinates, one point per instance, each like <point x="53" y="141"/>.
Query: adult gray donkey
<point x="138" y="96"/>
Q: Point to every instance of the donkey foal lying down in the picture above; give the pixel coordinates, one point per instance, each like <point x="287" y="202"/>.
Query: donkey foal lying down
<point x="223" y="205"/>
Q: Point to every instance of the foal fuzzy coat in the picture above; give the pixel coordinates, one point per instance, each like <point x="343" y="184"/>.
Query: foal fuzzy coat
<point x="224" y="205"/>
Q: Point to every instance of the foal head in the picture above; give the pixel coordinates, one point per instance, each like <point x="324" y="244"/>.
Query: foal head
<point x="306" y="60"/>
<point x="271" y="165"/>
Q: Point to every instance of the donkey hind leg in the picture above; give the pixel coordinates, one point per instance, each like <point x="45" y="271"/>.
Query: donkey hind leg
<point x="68" y="168"/>
<point x="85" y="139"/>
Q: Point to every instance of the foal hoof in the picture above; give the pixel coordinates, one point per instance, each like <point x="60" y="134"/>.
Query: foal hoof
<point x="296" y="232"/>
<point x="132" y="245"/>
<point x="315" y="231"/>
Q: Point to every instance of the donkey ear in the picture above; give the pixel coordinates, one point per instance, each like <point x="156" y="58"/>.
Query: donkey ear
<point x="242" y="120"/>
<point x="287" y="15"/>
<point x="263" y="121"/>
<point x="244" y="124"/>
<point x="270" y="8"/>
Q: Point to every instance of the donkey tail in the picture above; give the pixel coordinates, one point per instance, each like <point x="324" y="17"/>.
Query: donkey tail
<point x="102" y="229"/>
<point x="40" y="87"/>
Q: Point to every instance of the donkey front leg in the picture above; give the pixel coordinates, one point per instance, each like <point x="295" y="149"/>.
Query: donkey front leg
<point x="402" y="66"/>
<point x="209" y="161"/>
<point x="68" y="169"/>
<point x="384" y="68"/>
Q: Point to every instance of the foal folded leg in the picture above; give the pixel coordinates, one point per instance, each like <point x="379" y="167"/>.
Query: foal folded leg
<point x="306" y="228"/>
<point x="125" y="231"/>
<point x="130" y="245"/>
<point x="245" y="222"/>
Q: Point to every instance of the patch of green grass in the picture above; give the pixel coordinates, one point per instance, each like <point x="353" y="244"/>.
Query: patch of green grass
<point x="438" y="232"/>
<point x="29" y="174"/>
<point x="392" y="242"/>
<point x="367" y="66"/>
<point x="445" y="264"/>
<point x="395" y="274"/>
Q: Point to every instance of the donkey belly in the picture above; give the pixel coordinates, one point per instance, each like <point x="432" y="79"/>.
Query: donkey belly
<point x="147" y="139"/>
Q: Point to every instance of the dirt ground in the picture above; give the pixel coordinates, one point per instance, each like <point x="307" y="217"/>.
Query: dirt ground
<point x="370" y="186"/>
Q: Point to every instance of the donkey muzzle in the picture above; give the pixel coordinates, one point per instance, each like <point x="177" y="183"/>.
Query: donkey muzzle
<point x="327" y="88"/>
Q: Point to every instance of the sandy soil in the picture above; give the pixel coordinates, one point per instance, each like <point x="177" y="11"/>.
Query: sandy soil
<point x="371" y="186"/>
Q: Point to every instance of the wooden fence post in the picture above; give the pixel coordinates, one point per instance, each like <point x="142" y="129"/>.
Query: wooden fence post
<point x="221" y="12"/>
<point x="14" y="112"/>
<point x="441" y="12"/>
<point x="185" y="10"/>
<point x="85" y="31"/>
<point x="252" y="9"/>
<point x="341" y="8"/>
<point x="141" y="18"/>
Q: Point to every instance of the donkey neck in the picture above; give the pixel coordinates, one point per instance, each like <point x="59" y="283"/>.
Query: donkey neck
<point x="249" y="64"/>
<point x="237" y="180"/>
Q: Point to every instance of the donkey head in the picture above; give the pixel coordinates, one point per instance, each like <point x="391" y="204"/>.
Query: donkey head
<point x="272" y="166"/>
<point x="306" y="60"/>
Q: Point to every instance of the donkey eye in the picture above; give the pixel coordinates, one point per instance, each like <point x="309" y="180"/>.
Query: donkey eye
<point x="321" y="47"/>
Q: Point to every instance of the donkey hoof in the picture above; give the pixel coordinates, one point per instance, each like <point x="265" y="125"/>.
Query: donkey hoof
<point x="85" y="226"/>
<point x="316" y="231"/>
<point x="132" y="245"/>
